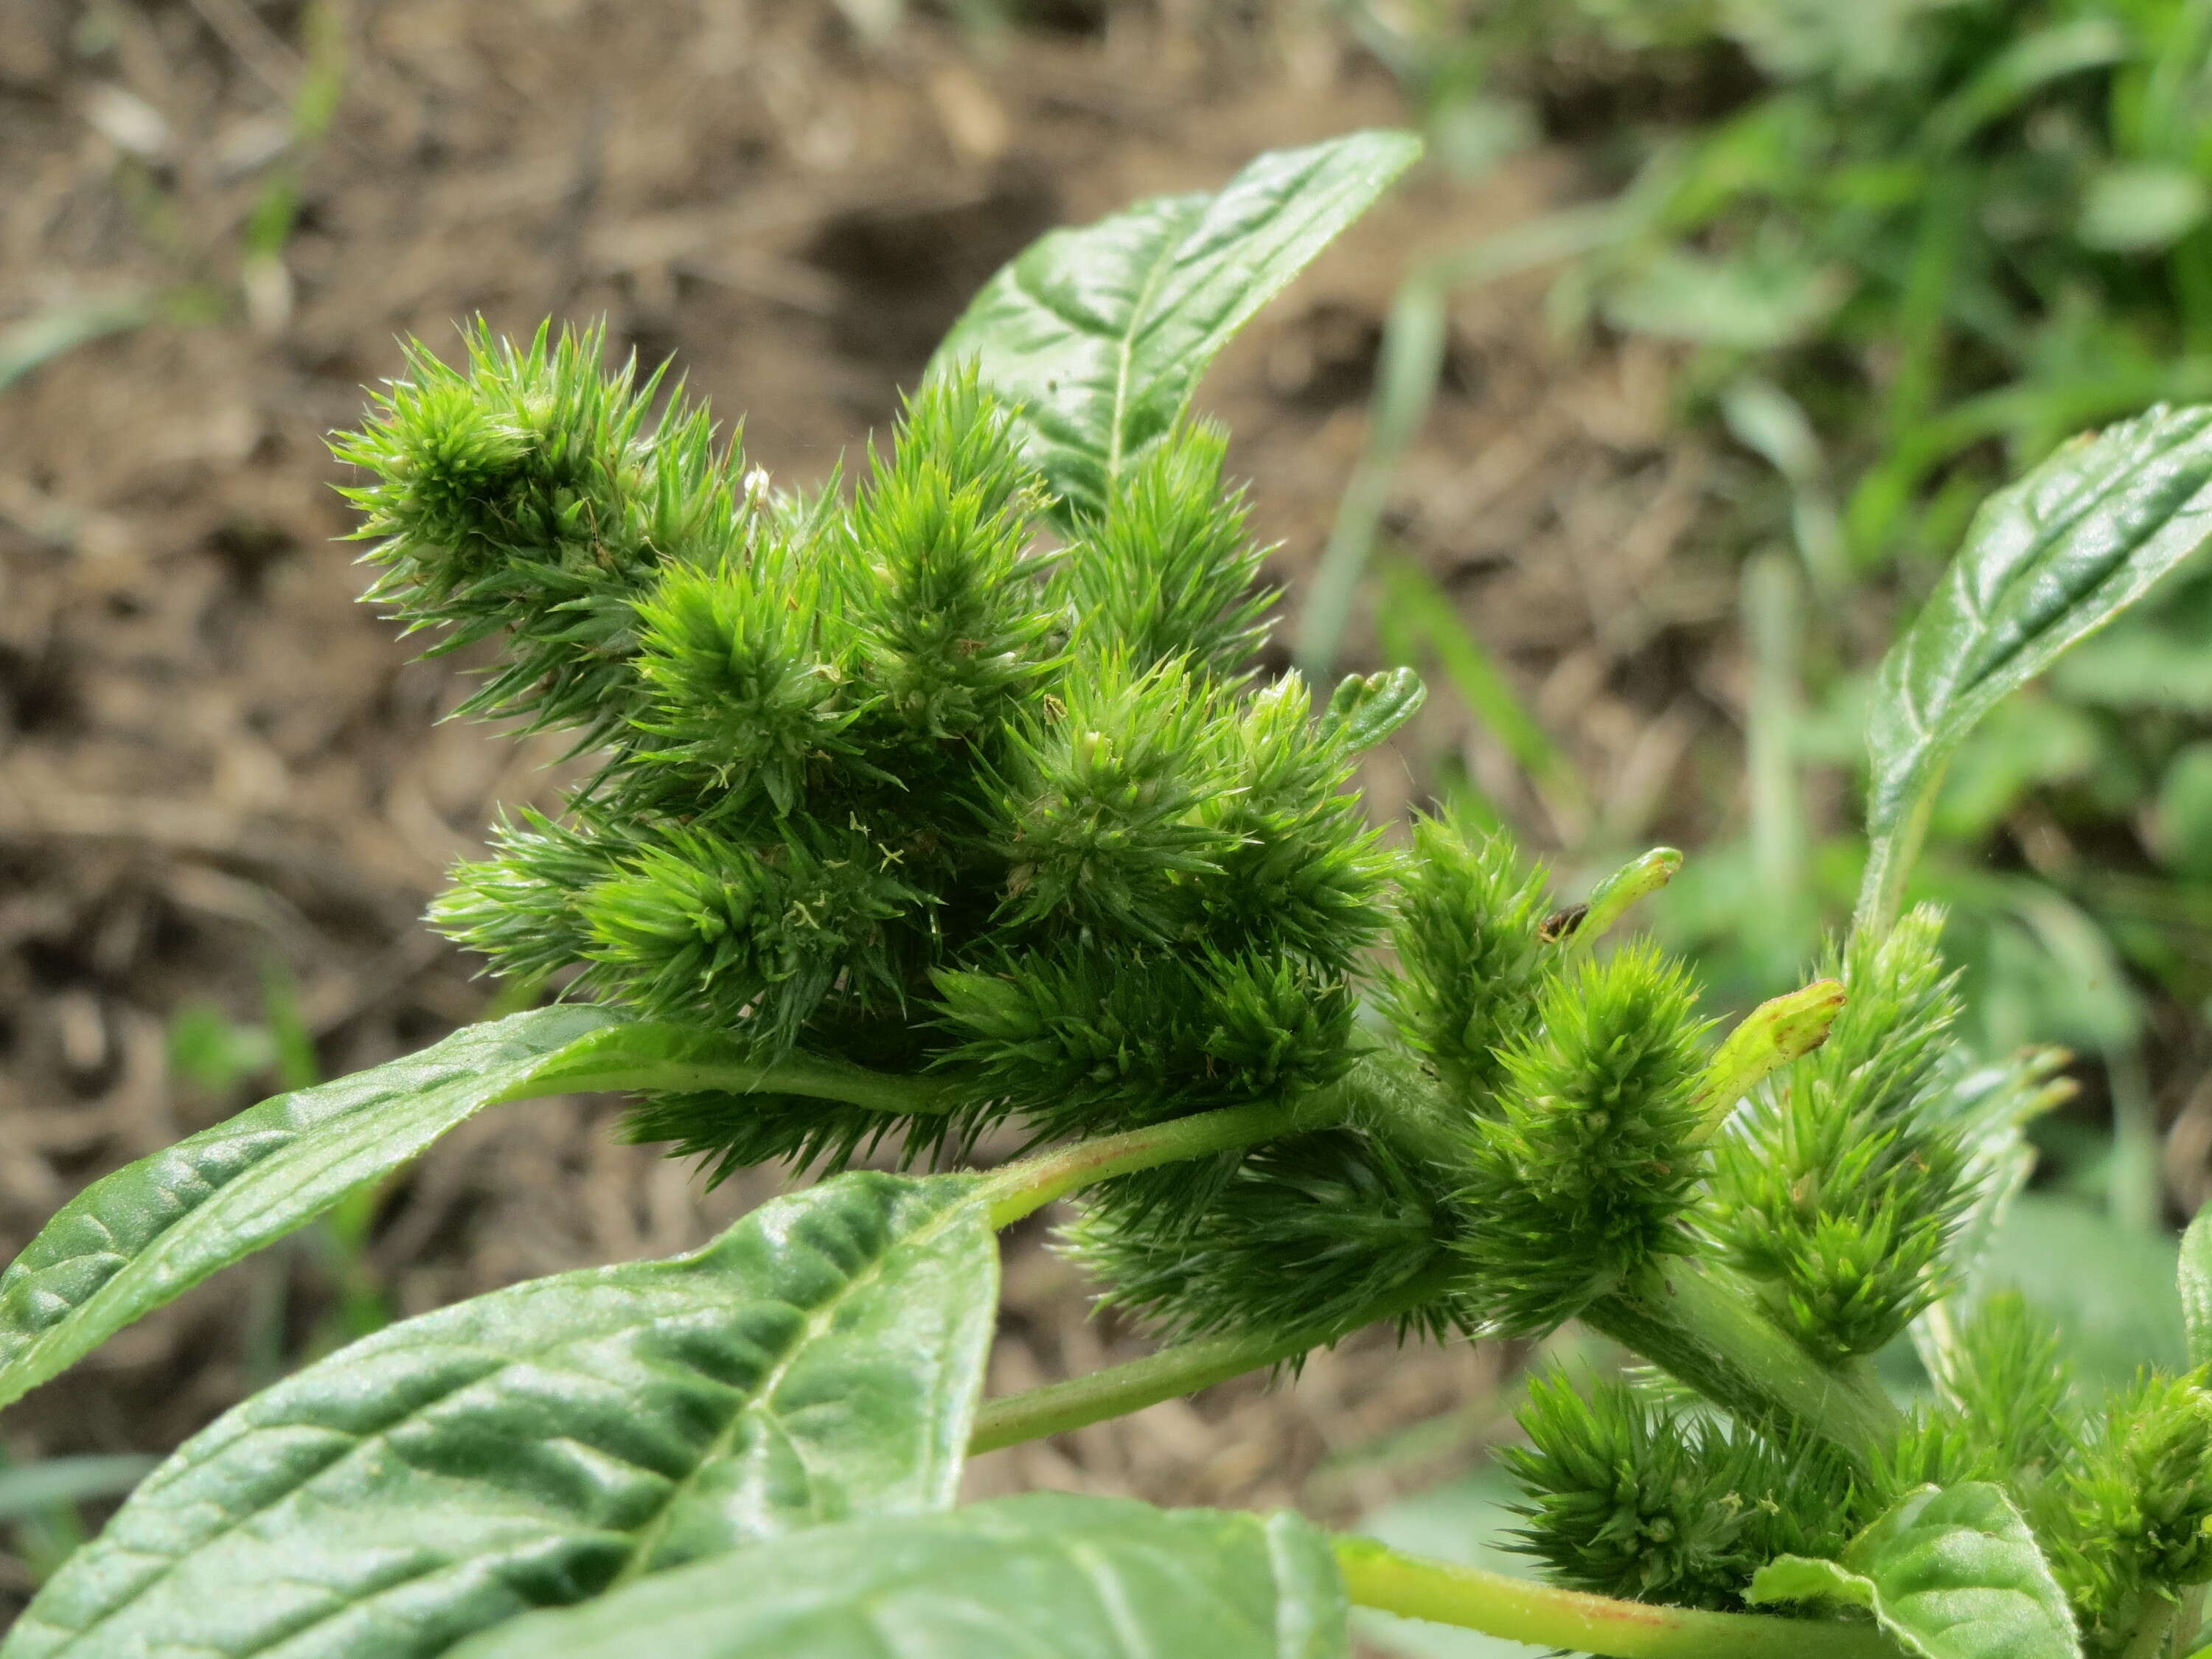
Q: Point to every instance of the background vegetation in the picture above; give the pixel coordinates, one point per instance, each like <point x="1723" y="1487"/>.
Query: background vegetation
<point x="1636" y="425"/>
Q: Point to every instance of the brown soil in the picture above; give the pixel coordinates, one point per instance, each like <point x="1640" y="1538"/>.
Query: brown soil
<point x="214" y="761"/>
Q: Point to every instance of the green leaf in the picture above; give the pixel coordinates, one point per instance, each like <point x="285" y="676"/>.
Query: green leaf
<point x="819" y="1361"/>
<point x="1100" y="333"/>
<point x="1046" y="1574"/>
<point x="1947" y="1573"/>
<point x="2196" y="1277"/>
<point x="144" y="1235"/>
<point x="2046" y="561"/>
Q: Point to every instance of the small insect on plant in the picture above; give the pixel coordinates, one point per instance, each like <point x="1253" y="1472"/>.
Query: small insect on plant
<point x="902" y="829"/>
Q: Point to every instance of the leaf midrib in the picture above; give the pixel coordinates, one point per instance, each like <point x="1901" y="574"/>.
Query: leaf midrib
<point x="1125" y="348"/>
<point x="657" y="1526"/>
<point x="649" y="1535"/>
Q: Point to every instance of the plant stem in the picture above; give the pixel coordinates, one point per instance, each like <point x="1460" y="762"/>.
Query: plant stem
<point x="1703" y="1324"/>
<point x="1523" y="1610"/>
<point x="698" y="1060"/>
<point x="1019" y="1190"/>
<point x="2153" y="1629"/>
<point x="1184" y="1368"/>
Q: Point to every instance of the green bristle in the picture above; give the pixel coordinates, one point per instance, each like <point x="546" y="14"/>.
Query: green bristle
<point x="1469" y="953"/>
<point x="2007" y="1414"/>
<point x="753" y="688"/>
<point x="2129" y="1517"/>
<point x="1623" y="1497"/>
<point x="1595" y="1152"/>
<point x="1098" y="806"/>
<point x="1299" y="870"/>
<point x="1085" y="1041"/>
<point x="954" y="626"/>
<point x="1300" y="1235"/>
<point x="729" y="1133"/>
<point x="1170" y="571"/>
<point x="520" y="908"/>
<point x="747" y="937"/>
<point x="528" y="497"/>
<point x="1839" y="1186"/>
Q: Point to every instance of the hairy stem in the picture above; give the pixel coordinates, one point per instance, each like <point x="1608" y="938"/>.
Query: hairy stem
<point x="1185" y="1368"/>
<point x="2153" y="1630"/>
<point x="1018" y="1190"/>
<point x="1702" y="1325"/>
<point x="1522" y="1610"/>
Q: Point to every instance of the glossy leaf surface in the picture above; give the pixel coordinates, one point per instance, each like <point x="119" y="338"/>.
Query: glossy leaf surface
<point x="1100" y="333"/>
<point x="1046" y="1574"/>
<point x="1949" y="1573"/>
<point x="2046" y="561"/>
<point x="144" y="1235"/>
<point x="821" y="1360"/>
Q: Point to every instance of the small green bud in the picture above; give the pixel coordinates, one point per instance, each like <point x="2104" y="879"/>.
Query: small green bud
<point x="1579" y="926"/>
<point x="1364" y="710"/>
<point x="1781" y="1030"/>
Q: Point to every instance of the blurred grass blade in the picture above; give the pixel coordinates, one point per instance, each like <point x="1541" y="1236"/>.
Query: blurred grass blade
<point x="1420" y="610"/>
<point x="1781" y="926"/>
<point x="27" y="1489"/>
<point x="1769" y="423"/>
<point x="2027" y="65"/>
<point x="1412" y="363"/>
<point x="45" y="334"/>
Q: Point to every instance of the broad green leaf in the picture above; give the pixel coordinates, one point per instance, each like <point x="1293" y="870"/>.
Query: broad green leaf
<point x="1949" y="1573"/>
<point x="1048" y="1574"/>
<point x="2196" y="1278"/>
<point x="2046" y="561"/>
<point x="144" y="1235"/>
<point x="819" y="1361"/>
<point x="1100" y="333"/>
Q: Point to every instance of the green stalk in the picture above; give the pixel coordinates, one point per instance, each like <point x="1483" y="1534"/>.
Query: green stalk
<point x="2154" y="1631"/>
<point x="1022" y="1188"/>
<point x="1184" y="1368"/>
<point x="1523" y="1610"/>
<point x="815" y="1076"/>
<point x="1702" y="1325"/>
